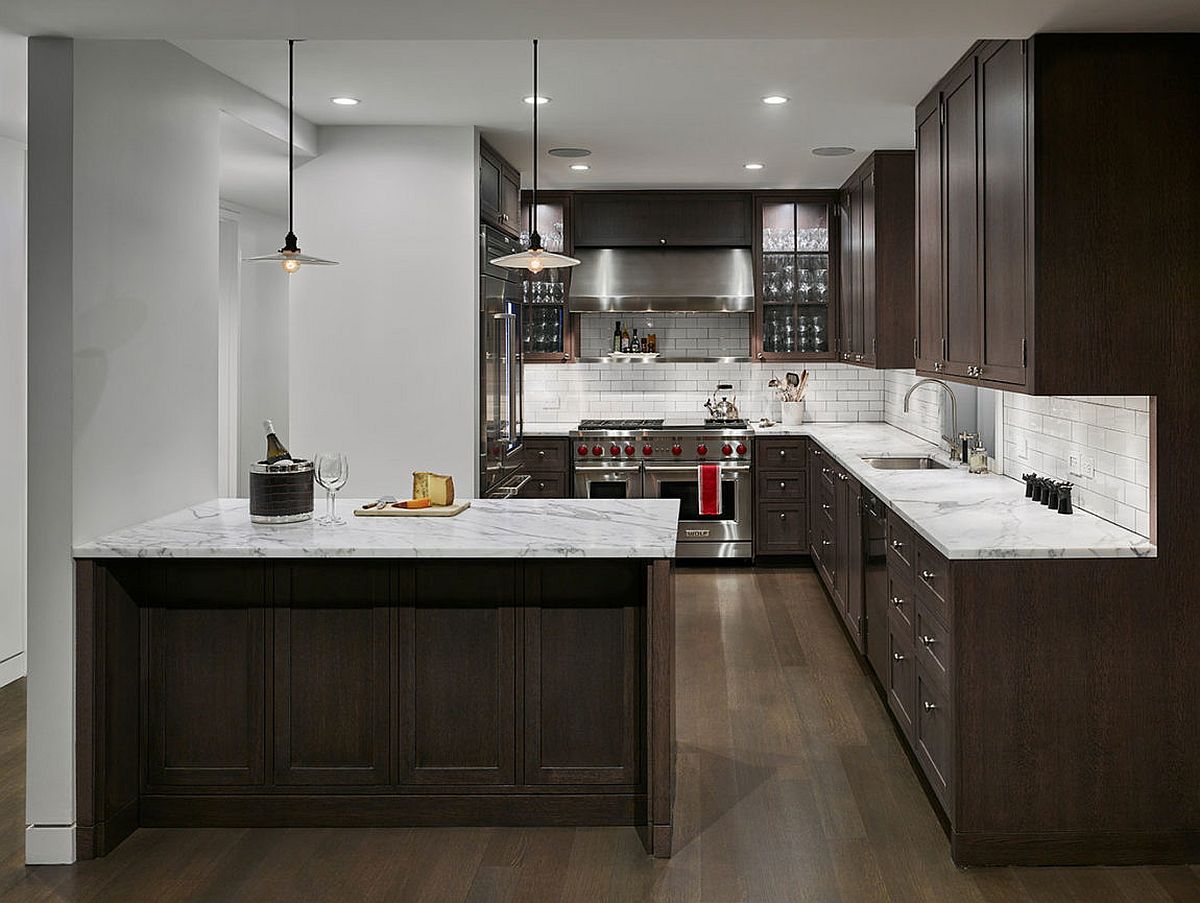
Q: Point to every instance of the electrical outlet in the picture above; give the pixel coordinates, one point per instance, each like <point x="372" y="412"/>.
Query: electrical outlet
<point x="552" y="403"/>
<point x="1089" y="467"/>
<point x="1023" y="450"/>
<point x="1073" y="466"/>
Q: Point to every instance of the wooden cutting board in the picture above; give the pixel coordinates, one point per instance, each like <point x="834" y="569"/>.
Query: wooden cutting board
<point x="433" y="511"/>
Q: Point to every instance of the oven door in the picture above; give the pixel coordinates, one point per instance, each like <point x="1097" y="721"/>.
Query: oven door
<point x="680" y="481"/>
<point x="608" y="481"/>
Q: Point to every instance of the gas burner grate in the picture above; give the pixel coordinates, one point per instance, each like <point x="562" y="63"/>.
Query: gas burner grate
<point x="620" y="424"/>
<point x="739" y="424"/>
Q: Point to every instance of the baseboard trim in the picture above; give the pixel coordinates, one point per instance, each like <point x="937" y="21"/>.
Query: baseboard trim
<point x="12" y="668"/>
<point x="1076" y="848"/>
<point x="49" y="844"/>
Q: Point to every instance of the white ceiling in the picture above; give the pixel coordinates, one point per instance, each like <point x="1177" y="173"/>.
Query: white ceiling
<point x="254" y="167"/>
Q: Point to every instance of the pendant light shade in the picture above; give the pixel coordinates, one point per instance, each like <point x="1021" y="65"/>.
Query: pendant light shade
<point x="535" y="258"/>
<point x="289" y="256"/>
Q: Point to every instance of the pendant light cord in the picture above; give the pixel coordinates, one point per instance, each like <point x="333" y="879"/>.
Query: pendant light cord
<point x="291" y="128"/>
<point x="533" y="233"/>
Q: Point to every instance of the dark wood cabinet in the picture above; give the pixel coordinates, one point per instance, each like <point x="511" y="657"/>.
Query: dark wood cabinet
<point x="781" y="497"/>
<point x="877" y="225"/>
<point x="457" y="724"/>
<point x="332" y="726"/>
<point x="796" y="276"/>
<point x="1039" y="259"/>
<point x="547" y="460"/>
<point x="851" y="559"/>
<point x="641" y="219"/>
<point x="499" y="191"/>
<point x="550" y="332"/>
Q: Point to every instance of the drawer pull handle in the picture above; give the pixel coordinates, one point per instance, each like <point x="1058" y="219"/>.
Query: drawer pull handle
<point x="927" y="575"/>
<point x="817" y="452"/>
<point x="824" y="470"/>
<point x="897" y="602"/>
<point x="826" y="542"/>
<point x="897" y="544"/>
<point x="782" y="485"/>
<point x="897" y="656"/>
<point x="929" y="706"/>
<point x="782" y="516"/>
<point x="824" y="507"/>
<point x="928" y="641"/>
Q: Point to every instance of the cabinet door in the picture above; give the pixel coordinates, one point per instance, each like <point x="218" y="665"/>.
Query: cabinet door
<point x="865" y="305"/>
<point x="457" y="654"/>
<point x="931" y="299"/>
<point x="960" y="138"/>
<point x="489" y="188"/>
<point x="653" y="219"/>
<point x="849" y="265"/>
<point x="1002" y="192"/>
<point x="853" y="579"/>
<point x="583" y="667"/>
<point x="333" y="688"/>
<point x="510" y="201"/>
<point x="206" y="677"/>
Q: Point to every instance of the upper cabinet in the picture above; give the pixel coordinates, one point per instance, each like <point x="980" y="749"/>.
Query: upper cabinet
<point x="642" y="219"/>
<point x="795" y="277"/>
<point x="550" y="332"/>
<point x="876" y="304"/>
<point x="499" y="191"/>
<point x="1050" y="252"/>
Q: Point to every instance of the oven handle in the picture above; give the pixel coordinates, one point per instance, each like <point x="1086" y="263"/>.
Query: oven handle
<point x="612" y="468"/>
<point x="691" y="468"/>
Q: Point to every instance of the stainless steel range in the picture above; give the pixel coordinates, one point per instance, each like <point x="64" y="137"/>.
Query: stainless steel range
<point x="660" y="459"/>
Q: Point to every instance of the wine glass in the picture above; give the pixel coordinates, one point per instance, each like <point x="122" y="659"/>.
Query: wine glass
<point x="331" y="470"/>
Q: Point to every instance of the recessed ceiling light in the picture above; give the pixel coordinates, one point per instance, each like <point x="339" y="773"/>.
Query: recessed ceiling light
<point x="541" y="99"/>
<point x="832" y="151"/>
<point x="754" y="166"/>
<point x="580" y="167"/>
<point x="345" y="101"/>
<point x="775" y="99"/>
<point x="569" y="152"/>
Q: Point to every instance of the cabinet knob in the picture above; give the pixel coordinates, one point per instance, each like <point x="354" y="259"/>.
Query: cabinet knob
<point x="927" y="641"/>
<point x="897" y="544"/>
<point x="826" y="542"/>
<point x="782" y="485"/>
<point x="858" y="357"/>
<point x="897" y="602"/>
<point x="927" y="575"/>
<point x="929" y="706"/>
<point x="761" y="356"/>
<point x="542" y="454"/>
<point x="662" y="241"/>
<point x="541" y="485"/>
<point x="896" y="656"/>
<point x="566" y="357"/>
<point x="825" y="506"/>
<point x="817" y="452"/>
<point x="782" y="516"/>
<point x="824" y="470"/>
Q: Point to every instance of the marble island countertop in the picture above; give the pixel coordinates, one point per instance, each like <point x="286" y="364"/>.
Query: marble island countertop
<point x="966" y="515"/>
<point x="516" y="528"/>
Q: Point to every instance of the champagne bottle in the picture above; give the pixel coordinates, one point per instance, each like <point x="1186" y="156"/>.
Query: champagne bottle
<point x="276" y="451"/>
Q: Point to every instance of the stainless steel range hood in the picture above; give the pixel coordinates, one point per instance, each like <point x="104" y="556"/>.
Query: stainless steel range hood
<point x="658" y="280"/>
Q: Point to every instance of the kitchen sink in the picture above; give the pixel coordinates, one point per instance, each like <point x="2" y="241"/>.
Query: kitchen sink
<point x="905" y="463"/>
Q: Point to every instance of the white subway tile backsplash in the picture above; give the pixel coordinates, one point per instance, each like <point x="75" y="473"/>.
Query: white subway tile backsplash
<point x="690" y="333"/>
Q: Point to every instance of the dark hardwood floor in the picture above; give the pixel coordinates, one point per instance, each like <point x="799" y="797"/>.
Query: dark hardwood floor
<point x="792" y="787"/>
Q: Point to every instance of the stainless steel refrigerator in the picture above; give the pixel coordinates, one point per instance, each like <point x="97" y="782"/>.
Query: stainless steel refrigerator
<point x="501" y="474"/>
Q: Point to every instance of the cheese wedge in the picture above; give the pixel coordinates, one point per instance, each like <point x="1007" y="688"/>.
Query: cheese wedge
<point x="414" y="503"/>
<point x="436" y="487"/>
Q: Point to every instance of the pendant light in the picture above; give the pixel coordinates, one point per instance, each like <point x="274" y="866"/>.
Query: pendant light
<point x="535" y="258"/>
<point x="289" y="256"/>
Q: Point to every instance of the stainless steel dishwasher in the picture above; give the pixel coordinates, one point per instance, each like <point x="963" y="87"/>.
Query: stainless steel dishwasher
<point x="874" y="527"/>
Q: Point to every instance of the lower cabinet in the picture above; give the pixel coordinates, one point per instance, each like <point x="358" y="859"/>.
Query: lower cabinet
<point x="548" y="463"/>
<point x="781" y="502"/>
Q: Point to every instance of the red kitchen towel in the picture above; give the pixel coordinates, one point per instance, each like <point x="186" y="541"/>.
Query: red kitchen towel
<point x="709" y="479"/>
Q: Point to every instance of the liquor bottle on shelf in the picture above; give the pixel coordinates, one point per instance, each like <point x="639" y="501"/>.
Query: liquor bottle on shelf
<point x="625" y="339"/>
<point x="276" y="451"/>
<point x="616" y="339"/>
<point x="634" y="344"/>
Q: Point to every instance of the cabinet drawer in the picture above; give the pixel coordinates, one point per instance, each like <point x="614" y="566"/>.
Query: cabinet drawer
<point x="781" y="528"/>
<point x="933" y="580"/>
<point x="782" y="454"/>
<point x="901" y="604"/>
<point x="825" y="500"/>
<point x="782" y="485"/>
<point x="900" y="550"/>
<point x="545" y="486"/>
<point x="934" y="646"/>
<point x="823" y="550"/>
<point x="932" y="736"/>
<point x="901" y="679"/>
<point x="546" y="454"/>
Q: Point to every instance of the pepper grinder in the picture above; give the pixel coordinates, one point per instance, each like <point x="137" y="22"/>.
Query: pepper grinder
<point x="1051" y="496"/>
<point x="1064" y="498"/>
<point x="1029" y="478"/>
<point x="1039" y="484"/>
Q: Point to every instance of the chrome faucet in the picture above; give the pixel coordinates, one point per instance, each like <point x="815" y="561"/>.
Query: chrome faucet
<point x="955" y="450"/>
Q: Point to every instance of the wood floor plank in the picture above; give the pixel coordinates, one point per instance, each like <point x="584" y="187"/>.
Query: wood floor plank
<point x="792" y="786"/>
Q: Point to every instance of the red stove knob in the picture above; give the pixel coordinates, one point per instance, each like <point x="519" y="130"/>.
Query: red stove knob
<point x="702" y="450"/>
<point x="727" y="449"/>
<point x="677" y="449"/>
<point x="647" y="450"/>
<point x="614" y="450"/>
<point x="583" y="449"/>
<point x="741" y="449"/>
<point x="597" y="450"/>
<point x="629" y="449"/>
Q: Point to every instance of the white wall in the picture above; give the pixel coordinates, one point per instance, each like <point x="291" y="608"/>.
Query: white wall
<point x="263" y="366"/>
<point x="12" y="408"/>
<point x="123" y="225"/>
<point x="384" y="347"/>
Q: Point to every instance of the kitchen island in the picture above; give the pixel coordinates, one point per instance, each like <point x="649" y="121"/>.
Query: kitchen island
<point x="513" y="665"/>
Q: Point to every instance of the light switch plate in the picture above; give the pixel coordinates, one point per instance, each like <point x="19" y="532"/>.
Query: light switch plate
<point x="1089" y="467"/>
<point x="1073" y="467"/>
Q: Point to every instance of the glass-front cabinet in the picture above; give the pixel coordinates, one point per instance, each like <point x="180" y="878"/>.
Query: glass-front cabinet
<point x="795" y="277"/>
<point x="548" y="328"/>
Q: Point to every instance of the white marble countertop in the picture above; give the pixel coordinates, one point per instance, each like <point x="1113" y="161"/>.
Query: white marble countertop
<point x="516" y="528"/>
<point x="966" y="515"/>
<point x="549" y="428"/>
